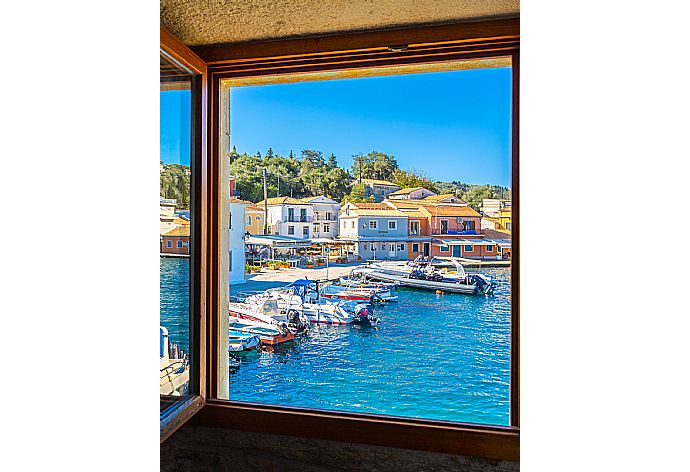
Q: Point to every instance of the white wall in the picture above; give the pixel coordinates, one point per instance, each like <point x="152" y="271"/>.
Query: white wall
<point x="236" y="242"/>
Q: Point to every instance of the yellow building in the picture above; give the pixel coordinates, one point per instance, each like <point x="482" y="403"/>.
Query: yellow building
<point x="254" y="219"/>
<point x="504" y="221"/>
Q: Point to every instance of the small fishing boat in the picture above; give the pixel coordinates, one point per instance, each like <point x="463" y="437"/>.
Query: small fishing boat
<point x="320" y="309"/>
<point x="241" y="341"/>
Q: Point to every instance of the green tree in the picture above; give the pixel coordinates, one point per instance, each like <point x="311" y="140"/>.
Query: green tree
<point x="413" y="178"/>
<point x="375" y="165"/>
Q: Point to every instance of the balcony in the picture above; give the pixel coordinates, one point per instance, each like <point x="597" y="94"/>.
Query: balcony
<point x="319" y="217"/>
<point x="299" y="219"/>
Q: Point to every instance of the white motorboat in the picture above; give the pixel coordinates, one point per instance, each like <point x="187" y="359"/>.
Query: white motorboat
<point x="426" y="277"/>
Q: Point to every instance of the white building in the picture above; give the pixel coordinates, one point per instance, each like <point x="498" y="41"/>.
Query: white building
<point x="289" y="216"/>
<point x="325" y="223"/>
<point x="236" y="240"/>
<point x="412" y="193"/>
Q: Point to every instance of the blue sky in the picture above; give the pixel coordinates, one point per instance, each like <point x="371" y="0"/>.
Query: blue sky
<point x="450" y="125"/>
<point x="175" y="113"/>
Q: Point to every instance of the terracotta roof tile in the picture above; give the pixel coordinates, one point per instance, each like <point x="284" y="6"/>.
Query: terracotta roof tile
<point x="181" y="231"/>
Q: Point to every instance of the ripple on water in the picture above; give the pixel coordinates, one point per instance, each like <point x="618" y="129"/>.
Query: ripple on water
<point x="438" y="357"/>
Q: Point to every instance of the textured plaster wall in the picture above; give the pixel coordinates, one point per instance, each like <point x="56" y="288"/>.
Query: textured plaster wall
<point x="205" y="22"/>
<point x="201" y="449"/>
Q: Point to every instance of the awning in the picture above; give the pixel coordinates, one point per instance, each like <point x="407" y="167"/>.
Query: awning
<point x="328" y="241"/>
<point x="472" y="242"/>
<point x="277" y="241"/>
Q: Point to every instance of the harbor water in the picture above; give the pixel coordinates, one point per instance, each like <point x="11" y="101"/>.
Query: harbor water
<point x="443" y="357"/>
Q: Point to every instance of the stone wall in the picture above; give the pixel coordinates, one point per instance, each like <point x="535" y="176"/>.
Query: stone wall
<point x="203" y="449"/>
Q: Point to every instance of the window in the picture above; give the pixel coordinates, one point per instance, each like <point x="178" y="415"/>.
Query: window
<point x="291" y="214"/>
<point x="230" y="220"/>
<point x="258" y="218"/>
<point x="353" y="224"/>
<point x="291" y="229"/>
<point x="444" y="248"/>
<point x="243" y="379"/>
<point x="401" y="247"/>
<point x="316" y="228"/>
<point x="326" y="228"/>
<point x="373" y="224"/>
<point x="364" y="246"/>
<point x="249" y="220"/>
<point x="469" y="225"/>
<point x="489" y="248"/>
<point x="469" y="248"/>
<point x="414" y="227"/>
<point x="180" y="297"/>
<point x="303" y="215"/>
<point x="415" y="247"/>
<point x="329" y="216"/>
<point x="305" y="231"/>
<point x="392" y="224"/>
<point x="508" y="225"/>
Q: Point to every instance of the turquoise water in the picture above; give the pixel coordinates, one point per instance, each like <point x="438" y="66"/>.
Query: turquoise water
<point x="174" y="299"/>
<point x="436" y="357"/>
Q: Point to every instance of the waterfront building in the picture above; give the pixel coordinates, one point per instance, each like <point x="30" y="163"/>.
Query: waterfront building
<point x="167" y="214"/>
<point x="325" y="223"/>
<point x="379" y="189"/>
<point x="254" y="219"/>
<point x="412" y="193"/>
<point x="418" y="229"/>
<point x="236" y="239"/>
<point x="289" y="216"/>
<point x="377" y="230"/>
<point x="176" y="241"/>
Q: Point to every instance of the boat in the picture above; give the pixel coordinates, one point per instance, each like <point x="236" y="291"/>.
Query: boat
<point x="320" y="309"/>
<point x="174" y="366"/>
<point x="426" y="277"/>
<point x="240" y="341"/>
<point x="371" y="294"/>
<point x="302" y="299"/>
<point x="268" y="335"/>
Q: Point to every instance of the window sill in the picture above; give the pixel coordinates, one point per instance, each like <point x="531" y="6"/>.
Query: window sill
<point x="178" y="414"/>
<point x="487" y="441"/>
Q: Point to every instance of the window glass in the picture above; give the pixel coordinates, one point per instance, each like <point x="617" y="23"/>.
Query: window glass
<point x="175" y="220"/>
<point x="409" y="355"/>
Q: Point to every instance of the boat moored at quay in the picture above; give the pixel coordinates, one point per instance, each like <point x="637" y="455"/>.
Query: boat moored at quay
<point x="424" y="276"/>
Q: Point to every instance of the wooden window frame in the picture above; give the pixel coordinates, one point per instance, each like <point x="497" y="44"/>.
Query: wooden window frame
<point x="181" y="410"/>
<point x="354" y="53"/>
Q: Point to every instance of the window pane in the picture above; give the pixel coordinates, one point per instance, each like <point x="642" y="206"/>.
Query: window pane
<point x="175" y="234"/>
<point x="438" y="345"/>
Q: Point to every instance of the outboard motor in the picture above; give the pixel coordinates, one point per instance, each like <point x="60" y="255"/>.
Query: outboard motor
<point x="484" y="284"/>
<point x="297" y="321"/>
<point x="364" y="314"/>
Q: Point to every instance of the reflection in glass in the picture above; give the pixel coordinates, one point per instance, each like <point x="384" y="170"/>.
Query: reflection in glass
<point x="175" y="235"/>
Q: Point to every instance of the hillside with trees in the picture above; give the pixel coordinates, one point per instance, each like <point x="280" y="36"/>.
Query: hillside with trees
<point x="312" y="174"/>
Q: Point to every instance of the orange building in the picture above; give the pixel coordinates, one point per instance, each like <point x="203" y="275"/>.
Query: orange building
<point x="176" y="241"/>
